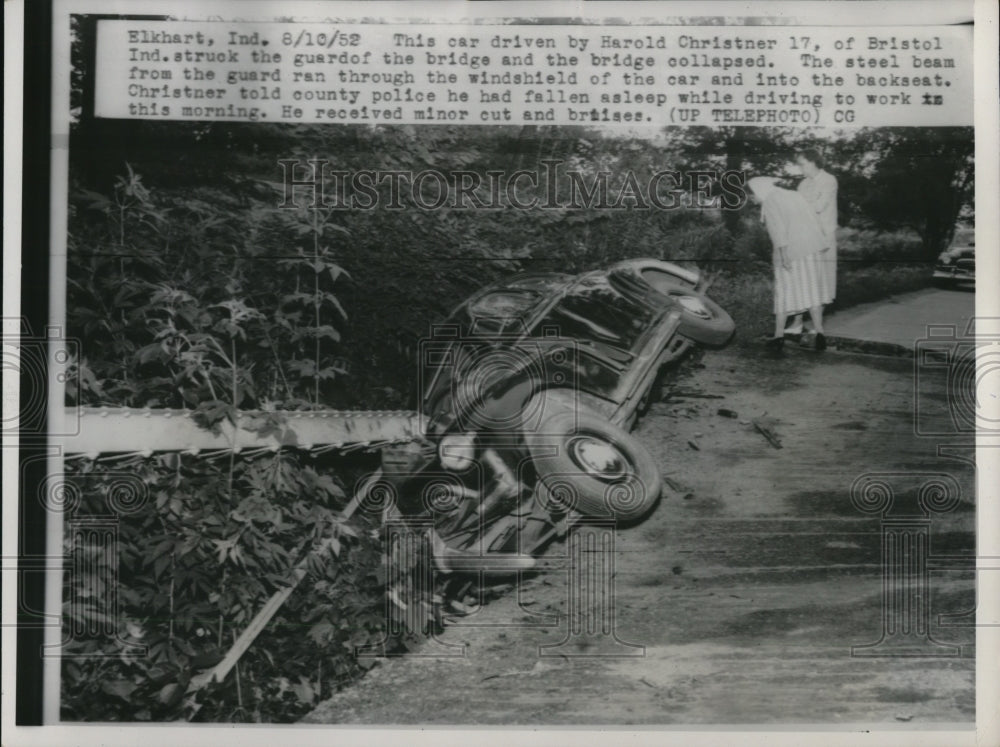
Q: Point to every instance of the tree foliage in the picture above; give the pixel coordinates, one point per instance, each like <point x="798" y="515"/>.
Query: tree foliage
<point x="922" y="179"/>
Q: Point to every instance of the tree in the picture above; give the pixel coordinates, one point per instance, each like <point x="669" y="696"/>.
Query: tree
<point x="756" y="151"/>
<point x="914" y="178"/>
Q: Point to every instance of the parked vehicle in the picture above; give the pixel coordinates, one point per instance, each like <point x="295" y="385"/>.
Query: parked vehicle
<point x="956" y="266"/>
<point x="530" y="388"/>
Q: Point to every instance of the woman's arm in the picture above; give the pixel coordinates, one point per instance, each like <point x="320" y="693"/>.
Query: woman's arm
<point x="776" y="222"/>
<point x="777" y="228"/>
<point x="825" y="196"/>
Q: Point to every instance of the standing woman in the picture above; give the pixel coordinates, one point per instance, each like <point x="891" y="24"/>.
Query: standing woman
<point x="820" y="190"/>
<point x="799" y="280"/>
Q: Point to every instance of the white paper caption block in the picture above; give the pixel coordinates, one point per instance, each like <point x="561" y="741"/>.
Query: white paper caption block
<point x="517" y="74"/>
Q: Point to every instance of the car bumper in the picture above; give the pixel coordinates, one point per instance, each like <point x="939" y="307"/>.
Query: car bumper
<point x="954" y="273"/>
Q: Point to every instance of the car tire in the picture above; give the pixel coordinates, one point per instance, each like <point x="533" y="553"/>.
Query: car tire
<point x="586" y="464"/>
<point x="702" y="319"/>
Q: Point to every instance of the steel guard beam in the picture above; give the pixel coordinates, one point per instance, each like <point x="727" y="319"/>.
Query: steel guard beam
<point x="94" y="431"/>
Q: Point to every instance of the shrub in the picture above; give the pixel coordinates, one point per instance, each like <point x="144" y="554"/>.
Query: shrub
<point x="866" y="246"/>
<point x="215" y="305"/>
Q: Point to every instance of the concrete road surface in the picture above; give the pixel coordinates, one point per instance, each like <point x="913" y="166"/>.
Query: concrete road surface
<point x="901" y="320"/>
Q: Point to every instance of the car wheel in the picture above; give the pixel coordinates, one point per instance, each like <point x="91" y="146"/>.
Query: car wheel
<point x="586" y="464"/>
<point x="702" y="319"/>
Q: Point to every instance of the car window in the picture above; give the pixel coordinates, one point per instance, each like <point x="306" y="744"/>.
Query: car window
<point x="964" y="237"/>
<point x="505" y="303"/>
<point x="501" y="312"/>
<point x="596" y="312"/>
<point x="594" y="375"/>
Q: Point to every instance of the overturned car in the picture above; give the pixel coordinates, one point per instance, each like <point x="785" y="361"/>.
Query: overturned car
<point x="529" y="389"/>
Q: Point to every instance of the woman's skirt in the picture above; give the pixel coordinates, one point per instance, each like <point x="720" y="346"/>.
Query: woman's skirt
<point x="805" y="284"/>
<point x="829" y="261"/>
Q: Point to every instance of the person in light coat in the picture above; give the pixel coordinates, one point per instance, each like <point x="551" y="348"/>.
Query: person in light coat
<point x="800" y="282"/>
<point x="819" y="187"/>
<point x="820" y="190"/>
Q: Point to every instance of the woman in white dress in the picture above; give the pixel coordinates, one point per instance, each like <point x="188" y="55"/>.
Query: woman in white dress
<point x="800" y="283"/>
<point x="820" y="190"/>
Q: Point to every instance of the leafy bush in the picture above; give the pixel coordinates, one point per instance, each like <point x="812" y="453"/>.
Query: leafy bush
<point x="195" y="566"/>
<point x="216" y="305"/>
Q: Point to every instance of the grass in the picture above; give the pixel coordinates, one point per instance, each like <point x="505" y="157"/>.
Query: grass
<point x="864" y="246"/>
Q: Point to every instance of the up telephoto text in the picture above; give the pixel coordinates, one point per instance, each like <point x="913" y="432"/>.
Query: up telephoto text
<point x="435" y="76"/>
<point x="317" y="183"/>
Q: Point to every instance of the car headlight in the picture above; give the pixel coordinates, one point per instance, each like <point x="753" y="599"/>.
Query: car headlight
<point x="945" y="260"/>
<point x="457" y="451"/>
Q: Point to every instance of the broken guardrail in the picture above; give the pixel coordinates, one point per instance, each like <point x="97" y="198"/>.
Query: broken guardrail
<point x="94" y="431"/>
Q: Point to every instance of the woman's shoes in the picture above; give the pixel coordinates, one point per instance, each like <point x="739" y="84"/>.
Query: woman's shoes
<point x="777" y="344"/>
